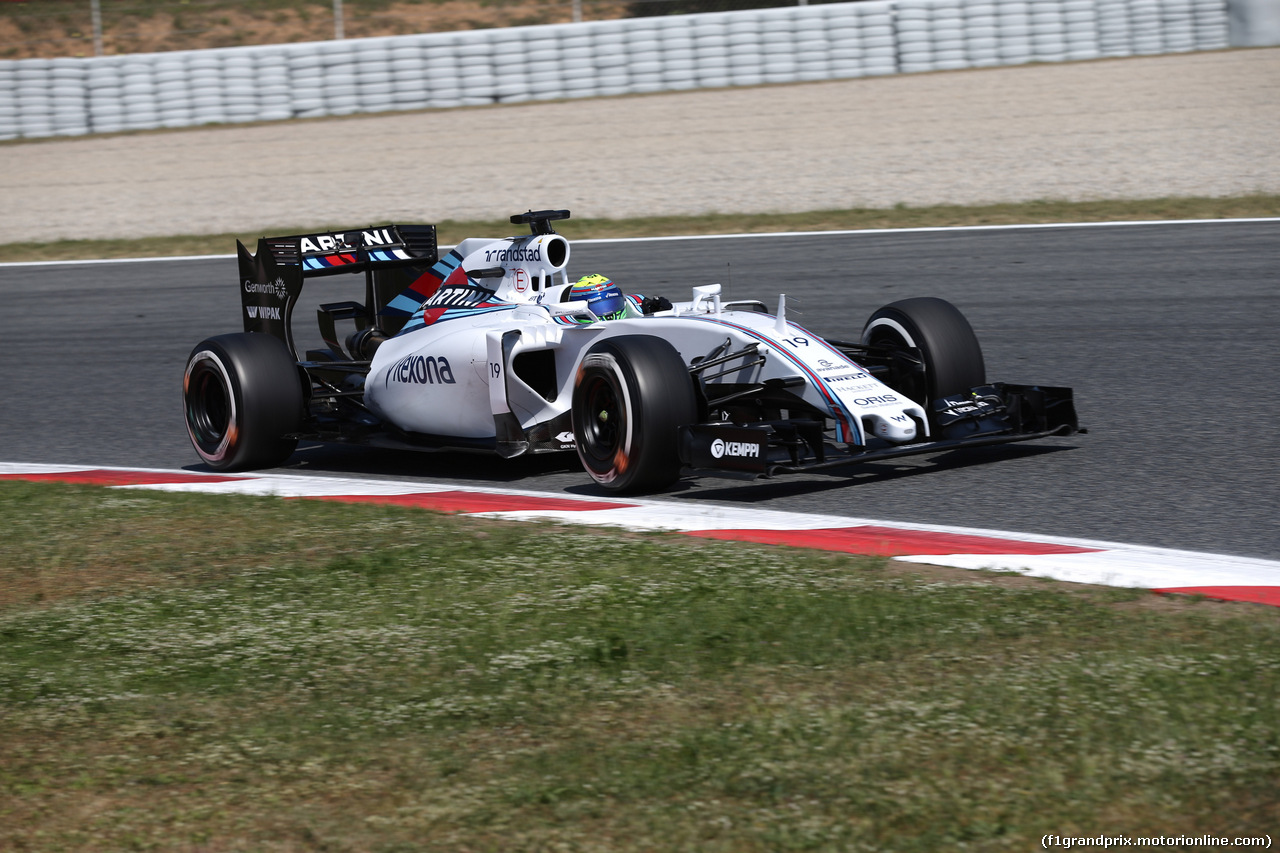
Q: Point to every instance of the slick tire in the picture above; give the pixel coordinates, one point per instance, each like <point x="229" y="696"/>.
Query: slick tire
<point x="243" y="398"/>
<point x="950" y="350"/>
<point x="632" y="394"/>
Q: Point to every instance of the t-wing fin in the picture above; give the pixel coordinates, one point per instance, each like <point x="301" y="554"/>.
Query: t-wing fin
<point x="539" y="221"/>
<point x="269" y="288"/>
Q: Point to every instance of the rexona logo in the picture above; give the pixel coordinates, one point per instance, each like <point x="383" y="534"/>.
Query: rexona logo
<point x="721" y="448"/>
<point x="263" y="312"/>
<point x="318" y="243"/>
<point x="421" y="370"/>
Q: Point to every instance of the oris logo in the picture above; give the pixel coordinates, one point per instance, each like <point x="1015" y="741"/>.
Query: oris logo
<point x="721" y="448"/>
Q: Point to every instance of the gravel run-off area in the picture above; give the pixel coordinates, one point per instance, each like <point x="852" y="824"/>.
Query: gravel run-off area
<point x="1203" y="124"/>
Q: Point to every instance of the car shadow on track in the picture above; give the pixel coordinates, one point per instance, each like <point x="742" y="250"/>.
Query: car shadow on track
<point x="379" y="463"/>
<point x="561" y="471"/>
<point x="864" y="473"/>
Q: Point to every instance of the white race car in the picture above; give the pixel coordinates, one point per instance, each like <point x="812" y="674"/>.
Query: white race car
<point x="493" y="347"/>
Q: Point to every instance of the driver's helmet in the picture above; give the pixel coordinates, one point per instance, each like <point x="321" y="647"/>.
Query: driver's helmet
<point x="602" y="296"/>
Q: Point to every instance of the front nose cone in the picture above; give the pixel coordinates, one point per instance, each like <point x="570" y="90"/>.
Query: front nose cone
<point x="897" y="429"/>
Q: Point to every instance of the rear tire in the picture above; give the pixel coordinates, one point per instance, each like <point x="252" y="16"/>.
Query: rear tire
<point x="243" y="396"/>
<point x="632" y="394"/>
<point x="952" y="355"/>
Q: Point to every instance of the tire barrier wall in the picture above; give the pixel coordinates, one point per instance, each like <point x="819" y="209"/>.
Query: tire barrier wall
<point x="1254" y="23"/>
<point x="70" y="97"/>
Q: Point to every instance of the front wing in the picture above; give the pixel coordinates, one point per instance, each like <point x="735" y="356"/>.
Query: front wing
<point x="990" y="414"/>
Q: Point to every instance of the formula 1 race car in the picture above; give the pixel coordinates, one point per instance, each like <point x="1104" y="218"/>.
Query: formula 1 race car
<point x="492" y="347"/>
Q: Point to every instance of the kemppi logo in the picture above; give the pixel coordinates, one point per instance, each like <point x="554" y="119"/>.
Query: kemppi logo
<point x="721" y="448"/>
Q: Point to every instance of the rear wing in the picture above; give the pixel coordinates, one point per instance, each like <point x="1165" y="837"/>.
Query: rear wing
<point x="392" y="258"/>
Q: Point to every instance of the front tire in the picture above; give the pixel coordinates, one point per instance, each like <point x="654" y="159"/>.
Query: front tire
<point x="948" y="347"/>
<point x="632" y="394"/>
<point x="243" y="397"/>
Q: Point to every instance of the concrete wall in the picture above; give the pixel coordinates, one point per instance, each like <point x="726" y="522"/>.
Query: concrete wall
<point x="67" y="97"/>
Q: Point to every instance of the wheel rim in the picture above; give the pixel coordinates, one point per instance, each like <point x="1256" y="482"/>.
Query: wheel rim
<point x="915" y="385"/>
<point x="210" y="408"/>
<point x="604" y="414"/>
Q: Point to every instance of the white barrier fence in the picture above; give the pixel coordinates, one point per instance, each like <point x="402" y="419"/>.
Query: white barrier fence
<point x="68" y="97"/>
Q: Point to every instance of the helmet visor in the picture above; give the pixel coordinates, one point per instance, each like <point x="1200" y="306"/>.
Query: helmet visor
<point x="602" y="296"/>
<point x="609" y="305"/>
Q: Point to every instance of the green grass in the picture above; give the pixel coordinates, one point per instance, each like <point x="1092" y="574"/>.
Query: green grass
<point x="451" y="232"/>
<point x="213" y="673"/>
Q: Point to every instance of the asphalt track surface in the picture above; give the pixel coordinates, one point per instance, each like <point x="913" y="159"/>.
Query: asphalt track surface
<point x="1170" y="334"/>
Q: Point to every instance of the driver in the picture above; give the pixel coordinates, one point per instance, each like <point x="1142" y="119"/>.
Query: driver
<point x="602" y="296"/>
<point x="606" y="300"/>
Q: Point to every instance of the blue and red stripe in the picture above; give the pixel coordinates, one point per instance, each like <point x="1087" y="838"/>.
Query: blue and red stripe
<point x="846" y="424"/>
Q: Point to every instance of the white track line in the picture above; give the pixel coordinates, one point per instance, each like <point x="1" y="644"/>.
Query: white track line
<point x="743" y="236"/>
